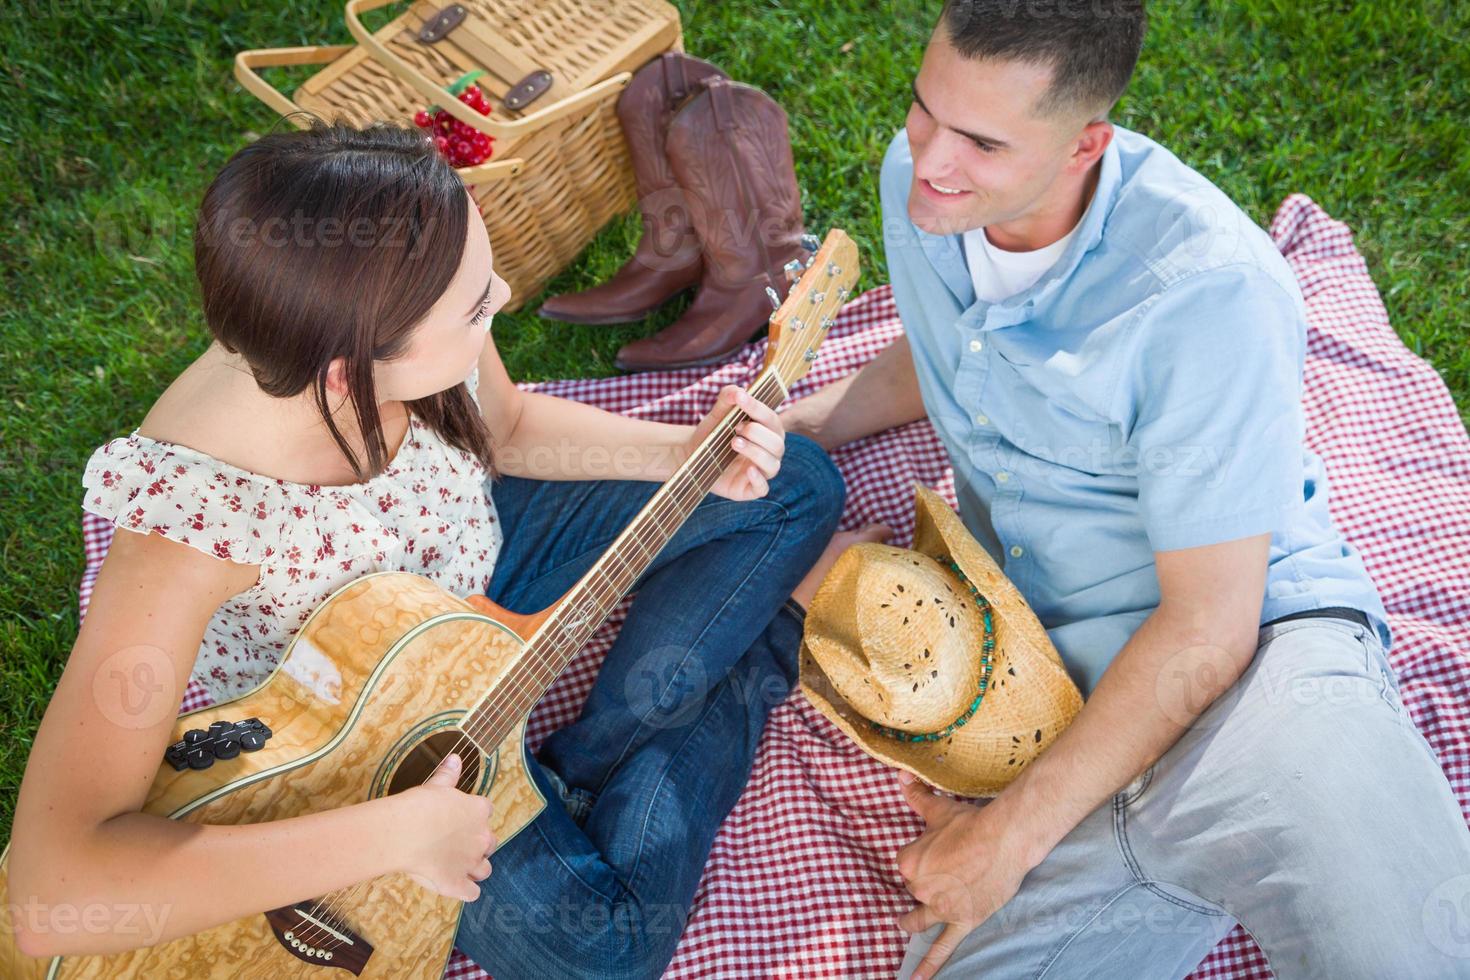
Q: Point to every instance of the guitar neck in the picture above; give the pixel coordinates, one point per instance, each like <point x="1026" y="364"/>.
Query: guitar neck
<point x="588" y="603"/>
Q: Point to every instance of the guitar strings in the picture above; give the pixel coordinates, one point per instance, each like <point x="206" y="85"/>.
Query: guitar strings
<point x="715" y="455"/>
<point x="772" y="373"/>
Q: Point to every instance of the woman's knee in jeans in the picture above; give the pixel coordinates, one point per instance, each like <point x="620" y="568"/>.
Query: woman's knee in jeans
<point x="809" y="486"/>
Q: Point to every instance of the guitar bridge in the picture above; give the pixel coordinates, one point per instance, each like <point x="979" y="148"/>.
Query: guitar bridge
<point x="304" y="931"/>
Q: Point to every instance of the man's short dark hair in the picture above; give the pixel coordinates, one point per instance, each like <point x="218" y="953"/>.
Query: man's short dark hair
<point x="1091" y="45"/>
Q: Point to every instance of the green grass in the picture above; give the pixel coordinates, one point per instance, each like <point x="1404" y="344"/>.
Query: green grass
<point x="116" y="115"/>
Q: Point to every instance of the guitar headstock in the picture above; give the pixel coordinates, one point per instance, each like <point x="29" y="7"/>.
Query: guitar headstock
<point x="800" y="323"/>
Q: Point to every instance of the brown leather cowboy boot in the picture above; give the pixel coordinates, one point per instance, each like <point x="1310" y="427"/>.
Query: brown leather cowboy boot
<point x="667" y="261"/>
<point x="730" y="150"/>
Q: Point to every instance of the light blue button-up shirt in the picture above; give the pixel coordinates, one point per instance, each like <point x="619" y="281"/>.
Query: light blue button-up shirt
<point x="1144" y="395"/>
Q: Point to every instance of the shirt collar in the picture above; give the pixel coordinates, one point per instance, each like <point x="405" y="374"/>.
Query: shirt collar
<point x="946" y="252"/>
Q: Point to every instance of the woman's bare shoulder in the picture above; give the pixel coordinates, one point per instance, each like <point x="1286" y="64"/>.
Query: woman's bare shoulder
<point x="191" y="410"/>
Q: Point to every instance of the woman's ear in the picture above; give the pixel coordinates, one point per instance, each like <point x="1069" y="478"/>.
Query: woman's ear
<point x="337" y="377"/>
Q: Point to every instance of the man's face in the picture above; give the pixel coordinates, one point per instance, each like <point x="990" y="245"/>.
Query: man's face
<point x="972" y="129"/>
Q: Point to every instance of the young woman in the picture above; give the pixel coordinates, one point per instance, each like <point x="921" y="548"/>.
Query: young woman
<point x="346" y="420"/>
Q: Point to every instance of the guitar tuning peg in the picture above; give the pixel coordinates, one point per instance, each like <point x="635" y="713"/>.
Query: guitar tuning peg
<point x="793" y="270"/>
<point x="833" y="269"/>
<point x="810" y="243"/>
<point x="774" y="298"/>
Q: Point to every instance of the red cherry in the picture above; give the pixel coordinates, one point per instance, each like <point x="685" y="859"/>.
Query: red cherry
<point x="473" y="91"/>
<point x="422" y="119"/>
<point x="461" y="147"/>
<point x="481" y="105"/>
<point x="481" y="141"/>
<point x="441" y="143"/>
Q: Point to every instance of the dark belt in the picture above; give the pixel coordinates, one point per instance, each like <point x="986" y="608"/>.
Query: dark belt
<point x="1332" y="612"/>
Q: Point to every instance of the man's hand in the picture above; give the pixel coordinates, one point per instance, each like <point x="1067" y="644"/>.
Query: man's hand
<point x="961" y="869"/>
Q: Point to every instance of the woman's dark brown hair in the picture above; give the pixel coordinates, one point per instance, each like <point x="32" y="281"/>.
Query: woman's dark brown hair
<point x="335" y="241"/>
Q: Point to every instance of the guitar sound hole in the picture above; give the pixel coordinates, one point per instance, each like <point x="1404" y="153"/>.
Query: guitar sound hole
<point x="423" y="758"/>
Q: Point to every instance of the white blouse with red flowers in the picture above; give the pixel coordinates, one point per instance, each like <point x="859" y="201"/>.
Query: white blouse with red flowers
<point x="429" y="512"/>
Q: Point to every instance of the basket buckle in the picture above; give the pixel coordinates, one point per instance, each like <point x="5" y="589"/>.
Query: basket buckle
<point x="439" y="25"/>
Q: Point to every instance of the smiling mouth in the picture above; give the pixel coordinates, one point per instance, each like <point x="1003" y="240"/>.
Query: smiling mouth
<point x="941" y="189"/>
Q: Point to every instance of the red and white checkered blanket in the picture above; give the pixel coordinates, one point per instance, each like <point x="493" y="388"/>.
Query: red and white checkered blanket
<point x="801" y="881"/>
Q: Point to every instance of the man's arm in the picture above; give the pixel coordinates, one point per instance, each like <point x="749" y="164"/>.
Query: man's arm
<point x="1189" y="651"/>
<point x="880" y="395"/>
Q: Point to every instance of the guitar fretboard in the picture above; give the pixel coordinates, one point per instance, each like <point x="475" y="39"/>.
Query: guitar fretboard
<point x="588" y="604"/>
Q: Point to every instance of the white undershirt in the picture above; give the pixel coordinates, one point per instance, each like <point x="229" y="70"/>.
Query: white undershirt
<point x="999" y="274"/>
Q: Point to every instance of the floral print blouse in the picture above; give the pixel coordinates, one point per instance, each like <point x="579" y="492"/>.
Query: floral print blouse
<point x="430" y="512"/>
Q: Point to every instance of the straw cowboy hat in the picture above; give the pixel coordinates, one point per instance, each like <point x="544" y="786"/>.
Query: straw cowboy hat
<point x="930" y="660"/>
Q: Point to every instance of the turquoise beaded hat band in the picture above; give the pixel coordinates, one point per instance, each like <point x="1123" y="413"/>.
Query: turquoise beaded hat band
<point x="987" y="658"/>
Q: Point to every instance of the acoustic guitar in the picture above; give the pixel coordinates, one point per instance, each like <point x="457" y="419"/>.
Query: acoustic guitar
<point x="389" y="675"/>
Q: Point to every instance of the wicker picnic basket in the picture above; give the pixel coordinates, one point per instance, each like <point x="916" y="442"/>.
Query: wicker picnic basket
<point x="560" y="169"/>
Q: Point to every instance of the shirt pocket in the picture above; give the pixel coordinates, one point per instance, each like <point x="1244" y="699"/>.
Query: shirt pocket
<point x="1045" y="420"/>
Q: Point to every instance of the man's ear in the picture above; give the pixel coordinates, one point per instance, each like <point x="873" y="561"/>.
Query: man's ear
<point x="1091" y="143"/>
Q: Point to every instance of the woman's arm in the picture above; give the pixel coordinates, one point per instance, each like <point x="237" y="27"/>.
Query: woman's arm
<point x="549" y="438"/>
<point x="79" y="841"/>
<point x="561" y="439"/>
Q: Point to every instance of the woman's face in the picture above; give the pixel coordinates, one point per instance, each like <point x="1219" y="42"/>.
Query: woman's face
<point x="446" y="345"/>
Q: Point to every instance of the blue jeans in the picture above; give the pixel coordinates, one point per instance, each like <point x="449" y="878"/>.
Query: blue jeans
<point x="1303" y="803"/>
<point x="600" y="883"/>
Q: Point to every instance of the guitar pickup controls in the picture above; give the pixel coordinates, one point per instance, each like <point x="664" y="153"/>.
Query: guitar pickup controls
<point x="199" y="748"/>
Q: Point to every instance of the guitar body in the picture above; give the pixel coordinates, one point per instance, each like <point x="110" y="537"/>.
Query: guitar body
<point x="363" y="703"/>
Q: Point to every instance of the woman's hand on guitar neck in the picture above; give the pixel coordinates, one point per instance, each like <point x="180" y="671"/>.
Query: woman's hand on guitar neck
<point x="759" y="442"/>
<point x="451" y="843"/>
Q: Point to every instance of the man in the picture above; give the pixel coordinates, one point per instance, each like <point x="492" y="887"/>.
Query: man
<point x="1112" y="355"/>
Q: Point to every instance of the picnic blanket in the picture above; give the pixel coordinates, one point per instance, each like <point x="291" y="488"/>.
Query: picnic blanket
<point x="801" y="880"/>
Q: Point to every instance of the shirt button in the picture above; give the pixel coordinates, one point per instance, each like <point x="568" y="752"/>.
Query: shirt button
<point x="982" y="419"/>
<point x="1002" y="477"/>
<point x="975" y="346"/>
<point x="1017" y="551"/>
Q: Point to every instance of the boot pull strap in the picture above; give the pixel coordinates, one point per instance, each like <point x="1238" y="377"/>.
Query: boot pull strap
<point x="720" y="104"/>
<point x="676" y="76"/>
